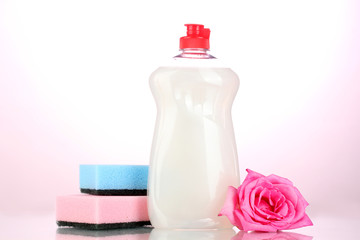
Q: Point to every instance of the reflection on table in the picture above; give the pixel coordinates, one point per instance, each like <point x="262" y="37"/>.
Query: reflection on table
<point x="142" y="233"/>
<point x="163" y="234"/>
<point x="147" y="233"/>
<point x="270" y="236"/>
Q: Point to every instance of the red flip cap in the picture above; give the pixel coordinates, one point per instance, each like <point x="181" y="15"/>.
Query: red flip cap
<point x="196" y="37"/>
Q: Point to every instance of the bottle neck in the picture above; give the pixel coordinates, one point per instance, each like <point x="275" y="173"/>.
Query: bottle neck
<point x="195" y="53"/>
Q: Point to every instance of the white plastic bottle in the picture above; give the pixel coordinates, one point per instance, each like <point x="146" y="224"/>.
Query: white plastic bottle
<point x="193" y="158"/>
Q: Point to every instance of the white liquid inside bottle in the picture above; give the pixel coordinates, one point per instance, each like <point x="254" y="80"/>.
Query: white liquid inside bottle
<point x="193" y="158"/>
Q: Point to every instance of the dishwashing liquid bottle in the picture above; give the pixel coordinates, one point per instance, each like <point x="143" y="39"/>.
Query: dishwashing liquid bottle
<point x="193" y="157"/>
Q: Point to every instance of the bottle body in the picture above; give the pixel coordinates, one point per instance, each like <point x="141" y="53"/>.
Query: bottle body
<point x="193" y="157"/>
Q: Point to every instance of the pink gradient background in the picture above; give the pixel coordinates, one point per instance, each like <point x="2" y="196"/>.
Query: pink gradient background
<point x="74" y="89"/>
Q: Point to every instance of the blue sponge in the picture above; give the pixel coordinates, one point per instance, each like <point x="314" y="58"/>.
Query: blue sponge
<point x="127" y="180"/>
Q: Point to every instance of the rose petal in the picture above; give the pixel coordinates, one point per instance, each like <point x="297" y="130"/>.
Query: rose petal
<point x="271" y="202"/>
<point x="288" y="192"/>
<point x="264" y="193"/>
<point x="283" y="210"/>
<point x="261" y="217"/>
<point x="230" y="205"/>
<point x="250" y="225"/>
<point x="300" y="206"/>
<point x="254" y="195"/>
<point x="305" y="221"/>
<point x="247" y="186"/>
<point x="265" y="183"/>
<point x="286" y="220"/>
<point x="259" y="202"/>
<point x="301" y="196"/>
<point x="280" y="225"/>
<point x="252" y="174"/>
<point x="252" y="179"/>
<point x="244" y="195"/>
<point x="278" y="198"/>
<point x="263" y="205"/>
<point x="274" y="179"/>
<point x="267" y="215"/>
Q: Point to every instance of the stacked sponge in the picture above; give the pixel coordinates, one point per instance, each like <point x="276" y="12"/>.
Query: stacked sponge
<point x="115" y="197"/>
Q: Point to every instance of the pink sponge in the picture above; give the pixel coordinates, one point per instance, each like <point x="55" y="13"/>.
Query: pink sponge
<point x="101" y="212"/>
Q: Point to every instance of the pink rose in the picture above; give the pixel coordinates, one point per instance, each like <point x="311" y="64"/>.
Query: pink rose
<point x="265" y="204"/>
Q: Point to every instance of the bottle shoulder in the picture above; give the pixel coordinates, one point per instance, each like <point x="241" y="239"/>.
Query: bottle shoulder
<point x="194" y="63"/>
<point x="193" y="71"/>
<point x="194" y="67"/>
<point x="193" y="78"/>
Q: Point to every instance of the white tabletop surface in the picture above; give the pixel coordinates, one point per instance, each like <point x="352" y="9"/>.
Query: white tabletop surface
<point x="43" y="226"/>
